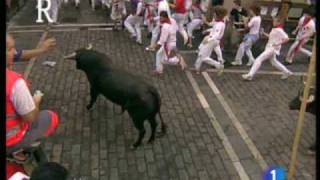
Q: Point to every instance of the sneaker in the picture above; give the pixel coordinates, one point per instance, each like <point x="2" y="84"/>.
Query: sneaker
<point x="249" y="63"/>
<point x="236" y="63"/>
<point x="150" y="48"/>
<point x="195" y="70"/>
<point x="182" y="63"/>
<point x="246" y="77"/>
<point x="220" y="69"/>
<point x="286" y="75"/>
<point x="287" y="63"/>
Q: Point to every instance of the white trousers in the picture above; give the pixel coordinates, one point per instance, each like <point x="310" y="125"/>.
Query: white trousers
<point x="295" y="48"/>
<point x="133" y="25"/>
<point x="54" y="10"/>
<point x="181" y="19"/>
<point x="267" y="54"/>
<point x="155" y="34"/>
<point x="162" y="58"/>
<point x="147" y="20"/>
<point x="204" y="54"/>
<point x="191" y="26"/>
<point x="245" y="47"/>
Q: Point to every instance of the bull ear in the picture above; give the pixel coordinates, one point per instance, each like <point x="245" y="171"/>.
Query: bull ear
<point x="89" y="47"/>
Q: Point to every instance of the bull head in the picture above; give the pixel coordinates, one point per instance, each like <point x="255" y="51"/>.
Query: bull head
<point x="74" y="54"/>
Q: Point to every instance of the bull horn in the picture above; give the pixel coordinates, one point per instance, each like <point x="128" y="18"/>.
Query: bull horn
<point x="70" y="56"/>
<point x="89" y="47"/>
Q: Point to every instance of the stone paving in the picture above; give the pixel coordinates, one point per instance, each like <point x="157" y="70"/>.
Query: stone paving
<point x="95" y="144"/>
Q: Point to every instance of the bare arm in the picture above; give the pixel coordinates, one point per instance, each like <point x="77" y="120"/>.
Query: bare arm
<point x="173" y="6"/>
<point x="265" y="34"/>
<point x="26" y="105"/>
<point x="284" y="40"/>
<point x="44" y="47"/>
<point x="32" y="116"/>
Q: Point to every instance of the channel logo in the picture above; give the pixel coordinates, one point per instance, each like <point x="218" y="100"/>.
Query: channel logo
<point x="275" y="173"/>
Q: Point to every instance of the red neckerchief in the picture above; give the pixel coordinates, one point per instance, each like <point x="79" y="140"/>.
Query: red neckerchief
<point x="306" y="21"/>
<point x="279" y="26"/>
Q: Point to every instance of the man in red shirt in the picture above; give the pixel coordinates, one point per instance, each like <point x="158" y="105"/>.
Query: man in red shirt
<point x="25" y="123"/>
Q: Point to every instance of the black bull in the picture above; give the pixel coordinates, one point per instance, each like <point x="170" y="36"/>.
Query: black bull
<point x="140" y="99"/>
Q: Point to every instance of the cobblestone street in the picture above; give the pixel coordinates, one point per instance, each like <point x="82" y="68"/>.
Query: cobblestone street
<point x="217" y="124"/>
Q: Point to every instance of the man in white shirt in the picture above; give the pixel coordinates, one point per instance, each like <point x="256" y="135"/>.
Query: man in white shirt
<point x="277" y="37"/>
<point x="134" y="20"/>
<point x="212" y="42"/>
<point x="167" y="54"/>
<point x="162" y="6"/>
<point x="196" y="21"/>
<point x="181" y="8"/>
<point x="150" y="13"/>
<point x="250" y="38"/>
<point x="306" y="29"/>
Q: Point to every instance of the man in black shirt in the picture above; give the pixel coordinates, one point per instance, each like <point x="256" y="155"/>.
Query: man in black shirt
<point x="237" y="13"/>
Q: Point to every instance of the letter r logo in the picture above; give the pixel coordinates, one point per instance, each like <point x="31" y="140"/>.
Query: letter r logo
<point x="44" y="10"/>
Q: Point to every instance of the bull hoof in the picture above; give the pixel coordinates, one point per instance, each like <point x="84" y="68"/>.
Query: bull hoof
<point x="151" y="140"/>
<point x="134" y="146"/>
<point x="89" y="107"/>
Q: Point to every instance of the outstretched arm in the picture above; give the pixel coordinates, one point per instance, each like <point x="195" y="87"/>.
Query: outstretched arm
<point x="44" y="47"/>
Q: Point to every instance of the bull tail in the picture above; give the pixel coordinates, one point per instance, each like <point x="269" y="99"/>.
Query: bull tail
<point x="158" y="106"/>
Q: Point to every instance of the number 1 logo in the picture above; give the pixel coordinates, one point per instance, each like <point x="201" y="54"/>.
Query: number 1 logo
<point x="275" y="173"/>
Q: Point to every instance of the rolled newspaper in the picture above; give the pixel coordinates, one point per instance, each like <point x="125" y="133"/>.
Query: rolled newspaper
<point x="38" y="93"/>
